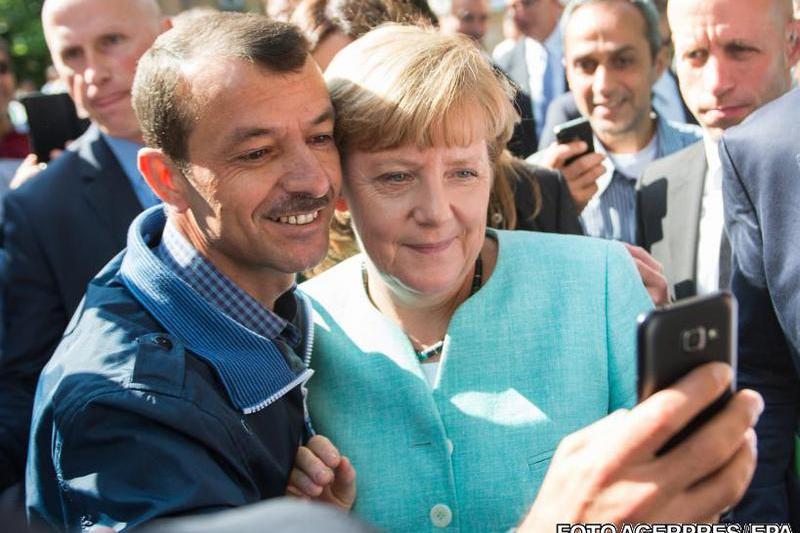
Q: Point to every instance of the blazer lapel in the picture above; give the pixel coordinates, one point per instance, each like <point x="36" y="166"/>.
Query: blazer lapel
<point x="106" y="187"/>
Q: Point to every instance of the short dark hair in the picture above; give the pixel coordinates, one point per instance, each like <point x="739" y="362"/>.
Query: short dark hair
<point x="647" y="8"/>
<point x="161" y="95"/>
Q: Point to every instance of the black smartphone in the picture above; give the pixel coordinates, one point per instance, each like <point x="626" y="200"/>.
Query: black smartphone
<point x="675" y="339"/>
<point x="578" y="129"/>
<point x="52" y="121"/>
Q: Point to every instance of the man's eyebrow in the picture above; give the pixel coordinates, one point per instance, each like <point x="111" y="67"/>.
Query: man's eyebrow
<point x="243" y="134"/>
<point x="326" y="115"/>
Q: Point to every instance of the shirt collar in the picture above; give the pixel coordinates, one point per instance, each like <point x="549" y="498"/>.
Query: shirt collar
<point x="605" y="180"/>
<point x="126" y="153"/>
<point x="183" y="259"/>
<point x="251" y="367"/>
<point x="713" y="180"/>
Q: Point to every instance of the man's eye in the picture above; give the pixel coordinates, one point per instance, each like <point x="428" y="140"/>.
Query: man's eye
<point x="395" y="177"/>
<point x="255" y="155"/>
<point x="322" y="139"/>
<point x="623" y="62"/>
<point x="696" y="55"/>
<point x="586" y="65"/>
<point x="111" y="40"/>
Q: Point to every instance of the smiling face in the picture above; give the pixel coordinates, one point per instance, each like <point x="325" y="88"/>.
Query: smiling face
<point x="420" y="215"/>
<point x="263" y="169"/>
<point x="611" y="71"/>
<point x="732" y="56"/>
<point x="95" y="45"/>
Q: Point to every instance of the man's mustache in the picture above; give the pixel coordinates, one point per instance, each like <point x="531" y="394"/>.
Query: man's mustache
<point x="299" y="203"/>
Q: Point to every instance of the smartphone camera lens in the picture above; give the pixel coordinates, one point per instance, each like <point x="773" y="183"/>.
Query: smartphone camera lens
<point x="694" y="340"/>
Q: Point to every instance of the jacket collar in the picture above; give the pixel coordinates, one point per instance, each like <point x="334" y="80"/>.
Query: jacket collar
<point x="251" y="367"/>
<point x="107" y="189"/>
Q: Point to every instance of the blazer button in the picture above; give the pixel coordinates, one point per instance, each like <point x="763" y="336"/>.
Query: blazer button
<point x="163" y="342"/>
<point x="441" y="515"/>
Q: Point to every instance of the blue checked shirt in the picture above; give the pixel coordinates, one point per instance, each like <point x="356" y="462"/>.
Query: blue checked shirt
<point x="187" y="263"/>
<point x="611" y="213"/>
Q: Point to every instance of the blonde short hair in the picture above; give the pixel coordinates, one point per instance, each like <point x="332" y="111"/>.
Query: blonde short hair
<point x="400" y="85"/>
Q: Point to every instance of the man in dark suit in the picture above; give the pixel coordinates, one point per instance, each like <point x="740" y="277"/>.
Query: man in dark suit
<point x="761" y="187"/>
<point x="724" y="76"/>
<point x="64" y="224"/>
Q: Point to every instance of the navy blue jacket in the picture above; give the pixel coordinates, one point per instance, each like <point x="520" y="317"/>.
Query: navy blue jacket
<point x="60" y="228"/>
<point x="761" y="187"/>
<point x="137" y="418"/>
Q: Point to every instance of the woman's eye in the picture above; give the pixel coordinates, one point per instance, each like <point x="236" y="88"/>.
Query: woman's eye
<point x="466" y="174"/>
<point x="396" y="177"/>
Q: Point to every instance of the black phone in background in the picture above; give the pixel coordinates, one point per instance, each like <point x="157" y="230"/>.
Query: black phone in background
<point x="52" y="121"/>
<point x="677" y="338"/>
<point x="578" y="129"/>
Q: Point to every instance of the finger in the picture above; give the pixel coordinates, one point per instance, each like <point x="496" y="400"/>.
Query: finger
<point x="55" y="152"/>
<point x="713" y="444"/>
<point x="324" y="449"/>
<point x="659" y="417"/>
<point x="309" y="463"/>
<point x="300" y="483"/>
<point x="721" y="490"/>
<point x="558" y="153"/>
<point x="291" y="490"/>
<point x="344" y="484"/>
<point x="641" y="254"/>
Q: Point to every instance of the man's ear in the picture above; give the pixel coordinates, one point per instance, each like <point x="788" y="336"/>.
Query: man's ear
<point x="662" y="61"/>
<point x="163" y="177"/>
<point x="793" y="42"/>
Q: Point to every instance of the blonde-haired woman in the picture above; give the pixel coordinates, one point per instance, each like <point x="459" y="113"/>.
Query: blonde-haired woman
<point x="450" y="358"/>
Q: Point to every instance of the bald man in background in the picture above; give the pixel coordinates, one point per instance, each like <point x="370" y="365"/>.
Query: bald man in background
<point x="65" y="223"/>
<point x="732" y="58"/>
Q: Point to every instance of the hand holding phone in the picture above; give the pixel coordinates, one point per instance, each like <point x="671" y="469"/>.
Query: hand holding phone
<point x="677" y="338"/>
<point x="52" y="121"/>
<point x="579" y="129"/>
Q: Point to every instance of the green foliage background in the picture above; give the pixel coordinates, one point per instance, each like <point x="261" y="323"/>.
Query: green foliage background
<point x="21" y="26"/>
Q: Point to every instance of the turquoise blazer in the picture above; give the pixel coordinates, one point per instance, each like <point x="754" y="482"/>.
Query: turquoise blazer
<point x="544" y="348"/>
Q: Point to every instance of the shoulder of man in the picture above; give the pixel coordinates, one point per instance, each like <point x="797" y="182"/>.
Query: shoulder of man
<point x="676" y="162"/>
<point x="111" y="343"/>
<point x="62" y="176"/>
<point x="678" y="135"/>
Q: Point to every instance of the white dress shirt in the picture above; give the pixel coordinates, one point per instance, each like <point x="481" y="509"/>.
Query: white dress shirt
<point x="538" y="57"/>
<point x="711" y="222"/>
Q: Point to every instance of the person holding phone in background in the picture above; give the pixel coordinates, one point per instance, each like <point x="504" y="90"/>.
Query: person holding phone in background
<point x="613" y="57"/>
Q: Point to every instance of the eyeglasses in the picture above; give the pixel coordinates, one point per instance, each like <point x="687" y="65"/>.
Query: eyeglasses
<point x="5" y="68"/>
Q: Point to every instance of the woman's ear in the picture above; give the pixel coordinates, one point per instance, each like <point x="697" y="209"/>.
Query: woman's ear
<point x="163" y="177"/>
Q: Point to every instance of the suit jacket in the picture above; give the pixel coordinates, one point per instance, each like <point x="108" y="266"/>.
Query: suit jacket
<point x="761" y="186"/>
<point x="669" y="198"/>
<point x="60" y="228"/>
<point x="515" y="65"/>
